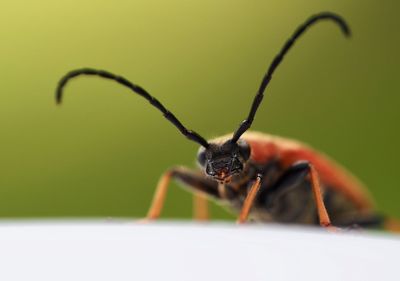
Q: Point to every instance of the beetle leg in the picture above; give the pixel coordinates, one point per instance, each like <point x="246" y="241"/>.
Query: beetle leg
<point x="295" y="174"/>
<point x="200" y="207"/>
<point x="287" y="199"/>
<point x="159" y="196"/>
<point x="192" y="179"/>
<point x="323" y="216"/>
<point x="248" y="202"/>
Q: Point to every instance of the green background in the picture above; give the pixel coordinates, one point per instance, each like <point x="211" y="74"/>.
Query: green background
<point x="102" y="152"/>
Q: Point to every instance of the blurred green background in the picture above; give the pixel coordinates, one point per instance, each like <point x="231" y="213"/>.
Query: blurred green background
<point x="102" y="152"/>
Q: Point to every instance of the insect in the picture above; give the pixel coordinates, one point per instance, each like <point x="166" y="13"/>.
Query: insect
<point x="261" y="177"/>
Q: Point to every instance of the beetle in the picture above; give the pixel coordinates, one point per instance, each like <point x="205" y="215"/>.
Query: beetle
<point x="260" y="176"/>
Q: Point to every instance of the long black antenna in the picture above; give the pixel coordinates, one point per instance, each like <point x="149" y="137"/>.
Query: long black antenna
<point x="245" y="125"/>
<point x="191" y="135"/>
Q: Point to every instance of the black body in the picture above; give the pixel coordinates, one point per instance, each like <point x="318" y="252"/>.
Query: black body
<point x="285" y="195"/>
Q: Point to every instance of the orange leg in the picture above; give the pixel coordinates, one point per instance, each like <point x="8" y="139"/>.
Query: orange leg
<point x="159" y="197"/>
<point x="392" y="225"/>
<point x="199" y="184"/>
<point x="248" y="202"/>
<point x="324" y="219"/>
<point x="200" y="207"/>
<point x="295" y="175"/>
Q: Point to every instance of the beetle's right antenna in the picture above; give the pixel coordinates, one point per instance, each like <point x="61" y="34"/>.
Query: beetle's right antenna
<point x="245" y="125"/>
<point x="191" y="135"/>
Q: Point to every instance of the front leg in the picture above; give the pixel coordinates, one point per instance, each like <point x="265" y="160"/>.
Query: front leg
<point x="193" y="179"/>
<point x="249" y="201"/>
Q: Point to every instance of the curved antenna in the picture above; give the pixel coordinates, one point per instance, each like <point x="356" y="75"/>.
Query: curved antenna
<point x="191" y="135"/>
<point x="245" y="125"/>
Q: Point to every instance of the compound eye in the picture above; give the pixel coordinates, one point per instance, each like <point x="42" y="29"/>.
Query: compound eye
<point x="236" y="165"/>
<point x="210" y="170"/>
<point x="201" y="157"/>
<point x="244" y="149"/>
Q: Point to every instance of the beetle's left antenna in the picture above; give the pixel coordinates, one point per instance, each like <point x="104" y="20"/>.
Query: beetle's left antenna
<point x="245" y="125"/>
<point x="191" y="135"/>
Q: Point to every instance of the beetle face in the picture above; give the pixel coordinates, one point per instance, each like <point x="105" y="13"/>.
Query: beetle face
<point x="222" y="161"/>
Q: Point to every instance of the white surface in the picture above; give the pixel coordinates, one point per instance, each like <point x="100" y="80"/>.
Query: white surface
<point x="176" y="251"/>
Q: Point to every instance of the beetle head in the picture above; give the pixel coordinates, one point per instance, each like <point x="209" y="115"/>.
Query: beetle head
<point x="222" y="161"/>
